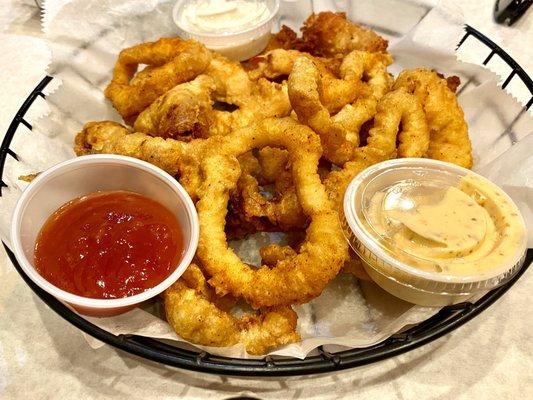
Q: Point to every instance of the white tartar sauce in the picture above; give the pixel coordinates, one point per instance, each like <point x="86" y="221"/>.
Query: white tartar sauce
<point x="216" y="16"/>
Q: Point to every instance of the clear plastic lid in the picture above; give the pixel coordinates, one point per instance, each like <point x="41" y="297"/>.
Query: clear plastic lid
<point x="434" y="226"/>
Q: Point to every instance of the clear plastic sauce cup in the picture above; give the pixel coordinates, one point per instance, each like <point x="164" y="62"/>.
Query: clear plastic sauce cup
<point x="433" y="233"/>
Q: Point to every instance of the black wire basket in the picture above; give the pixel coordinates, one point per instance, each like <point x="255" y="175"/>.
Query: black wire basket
<point x="445" y="321"/>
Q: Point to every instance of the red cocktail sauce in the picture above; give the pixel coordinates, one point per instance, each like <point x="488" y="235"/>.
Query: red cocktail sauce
<point x="109" y="245"/>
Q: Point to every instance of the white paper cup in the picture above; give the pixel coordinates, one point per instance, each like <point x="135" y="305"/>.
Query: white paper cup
<point x="81" y="176"/>
<point x="236" y="45"/>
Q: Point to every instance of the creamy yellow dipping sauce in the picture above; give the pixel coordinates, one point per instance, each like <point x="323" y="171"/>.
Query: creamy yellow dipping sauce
<point x="463" y="230"/>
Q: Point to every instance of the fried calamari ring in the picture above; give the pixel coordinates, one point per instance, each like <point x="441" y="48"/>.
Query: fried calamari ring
<point x="339" y="134"/>
<point x="181" y="112"/>
<point x="294" y="280"/>
<point x="192" y="311"/>
<point x="397" y="109"/>
<point x="171" y="62"/>
<point x="445" y="118"/>
<point x="327" y="34"/>
<point x="188" y="108"/>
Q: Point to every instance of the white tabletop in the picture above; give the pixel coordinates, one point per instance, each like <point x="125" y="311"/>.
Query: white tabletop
<point x="42" y="356"/>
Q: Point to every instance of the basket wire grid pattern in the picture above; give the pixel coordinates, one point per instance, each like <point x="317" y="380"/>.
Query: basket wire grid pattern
<point x="445" y="321"/>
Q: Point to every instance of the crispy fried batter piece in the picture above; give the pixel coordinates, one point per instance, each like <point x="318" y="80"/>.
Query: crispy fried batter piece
<point x="445" y="118"/>
<point x="340" y="133"/>
<point x="274" y="253"/>
<point x="170" y="61"/>
<point x="286" y="39"/>
<point x="182" y="112"/>
<point x="29" y="178"/>
<point x="192" y="311"/>
<point x="328" y="34"/>
<point x="294" y="280"/>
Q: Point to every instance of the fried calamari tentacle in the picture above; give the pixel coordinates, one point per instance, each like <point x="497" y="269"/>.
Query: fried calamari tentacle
<point x="181" y="112"/>
<point x="399" y="118"/>
<point x="191" y="310"/>
<point x="327" y="34"/>
<point x="233" y="85"/>
<point x="282" y="210"/>
<point x="339" y="134"/>
<point x="170" y="62"/>
<point x="294" y="280"/>
<point x="267" y="100"/>
<point x="449" y="139"/>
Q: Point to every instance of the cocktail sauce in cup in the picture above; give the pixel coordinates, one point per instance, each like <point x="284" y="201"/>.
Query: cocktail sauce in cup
<point x="82" y="177"/>
<point x="237" y="29"/>
<point x="433" y="233"/>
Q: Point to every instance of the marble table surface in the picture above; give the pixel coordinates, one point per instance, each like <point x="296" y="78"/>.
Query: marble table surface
<point x="44" y="357"/>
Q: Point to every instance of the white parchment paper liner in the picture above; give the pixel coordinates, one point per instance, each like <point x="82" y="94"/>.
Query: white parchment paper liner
<point x="86" y="36"/>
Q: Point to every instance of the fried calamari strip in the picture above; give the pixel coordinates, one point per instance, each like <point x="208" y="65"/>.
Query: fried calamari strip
<point x="327" y="34"/>
<point x="294" y="280"/>
<point x="112" y="138"/>
<point x="445" y="118"/>
<point x="192" y="311"/>
<point x="170" y="61"/>
<point x="176" y="157"/>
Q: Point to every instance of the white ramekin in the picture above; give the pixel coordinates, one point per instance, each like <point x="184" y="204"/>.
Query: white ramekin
<point x="83" y="175"/>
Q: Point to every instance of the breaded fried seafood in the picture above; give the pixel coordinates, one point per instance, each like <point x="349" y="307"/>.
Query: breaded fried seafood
<point x="192" y="310"/>
<point x="270" y="145"/>
<point x="169" y="61"/>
